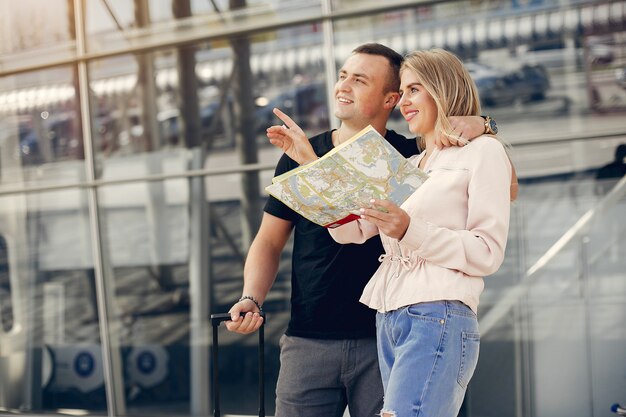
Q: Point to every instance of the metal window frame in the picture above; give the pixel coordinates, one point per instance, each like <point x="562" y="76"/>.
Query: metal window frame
<point x="111" y="361"/>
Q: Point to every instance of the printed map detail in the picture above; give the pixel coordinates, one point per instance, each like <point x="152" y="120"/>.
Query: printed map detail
<point x="331" y="190"/>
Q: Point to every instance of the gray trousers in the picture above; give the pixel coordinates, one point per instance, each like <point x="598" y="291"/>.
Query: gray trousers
<point x="319" y="378"/>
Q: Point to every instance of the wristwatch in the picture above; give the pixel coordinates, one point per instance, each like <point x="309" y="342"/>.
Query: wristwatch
<point x="491" y="128"/>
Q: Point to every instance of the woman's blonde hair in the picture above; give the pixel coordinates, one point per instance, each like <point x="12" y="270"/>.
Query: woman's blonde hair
<point x="449" y="84"/>
<point x="447" y="81"/>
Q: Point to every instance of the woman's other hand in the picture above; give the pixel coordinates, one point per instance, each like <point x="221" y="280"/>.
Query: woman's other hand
<point x="388" y="217"/>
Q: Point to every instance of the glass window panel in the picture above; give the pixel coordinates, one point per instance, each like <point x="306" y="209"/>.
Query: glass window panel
<point x="549" y="71"/>
<point x="605" y="245"/>
<point x="557" y="89"/>
<point x="534" y="83"/>
<point x="133" y="92"/>
<point x="6" y="307"/>
<point x="35" y="33"/>
<point x="109" y="16"/>
<point x="158" y="28"/>
<point x="51" y="356"/>
<point x="605" y="62"/>
<point x="548" y="324"/>
<point x="146" y="246"/>
<point x="150" y="244"/>
<point x="40" y="131"/>
<point x="238" y="354"/>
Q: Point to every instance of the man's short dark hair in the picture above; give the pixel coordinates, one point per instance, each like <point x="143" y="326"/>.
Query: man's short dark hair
<point x="394" y="59"/>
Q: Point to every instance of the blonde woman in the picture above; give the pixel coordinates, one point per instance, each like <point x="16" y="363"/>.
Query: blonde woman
<point x="438" y="246"/>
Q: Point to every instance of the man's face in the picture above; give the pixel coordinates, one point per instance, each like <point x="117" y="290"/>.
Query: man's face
<point x="359" y="91"/>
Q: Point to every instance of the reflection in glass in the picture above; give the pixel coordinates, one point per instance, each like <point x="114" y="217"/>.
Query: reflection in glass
<point x="537" y="329"/>
<point x="51" y="356"/>
<point x="148" y="232"/>
<point x="35" y="32"/>
<point x="6" y="308"/>
<point x="137" y="99"/>
<point x="605" y="62"/>
<point x="545" y="70"/>
<point x="40" y="131"/>
<point x="531" y="62"/>
<point x="146" y="228"/>
<point x="113" y="26"/>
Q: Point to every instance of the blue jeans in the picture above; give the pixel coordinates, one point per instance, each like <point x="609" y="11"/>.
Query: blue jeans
<point x="427" y="354"/>
<point x="320" y="377"/>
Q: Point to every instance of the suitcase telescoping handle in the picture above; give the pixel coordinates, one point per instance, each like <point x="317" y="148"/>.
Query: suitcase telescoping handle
<point x="216" y="319"/>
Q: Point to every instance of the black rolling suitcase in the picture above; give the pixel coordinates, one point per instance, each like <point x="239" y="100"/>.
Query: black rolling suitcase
<point x="216" y="319"/>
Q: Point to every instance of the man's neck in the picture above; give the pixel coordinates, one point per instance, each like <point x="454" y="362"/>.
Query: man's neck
<point x="345" y="132"/>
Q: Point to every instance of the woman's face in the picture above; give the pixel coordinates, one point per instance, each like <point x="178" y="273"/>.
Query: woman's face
<point x="416" y="105"/>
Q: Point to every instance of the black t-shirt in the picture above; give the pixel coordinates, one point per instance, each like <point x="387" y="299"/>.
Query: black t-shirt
<point x="327" y="278"/>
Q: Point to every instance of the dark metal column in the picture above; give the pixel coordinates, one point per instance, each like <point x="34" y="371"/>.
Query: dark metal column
<point x="245" y="136"/>
<point x="111" y="356"/>
<point x="200" y="276"/>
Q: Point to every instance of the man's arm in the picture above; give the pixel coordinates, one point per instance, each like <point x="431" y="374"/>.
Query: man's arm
<point x="464" y="129"/>
<point x="259" y="272"/>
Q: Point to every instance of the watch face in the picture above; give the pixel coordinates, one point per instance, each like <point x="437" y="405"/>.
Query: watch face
<point x="493" y="126"/>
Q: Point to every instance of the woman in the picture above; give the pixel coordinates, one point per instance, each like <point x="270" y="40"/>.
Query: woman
<point x="438" y="245"/>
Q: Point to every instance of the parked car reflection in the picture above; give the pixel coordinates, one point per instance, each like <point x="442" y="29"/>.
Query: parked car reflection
<point x="601" y="49"/>
<point x="526" y="83"/>
<point x="305" y="103"/>
<point x="214" y="121"/>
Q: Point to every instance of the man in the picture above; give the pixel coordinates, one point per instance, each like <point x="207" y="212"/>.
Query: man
<point x="328" y="353"/>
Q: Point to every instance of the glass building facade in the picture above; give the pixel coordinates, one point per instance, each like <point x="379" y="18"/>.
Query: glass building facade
<point x="133" y="163"/>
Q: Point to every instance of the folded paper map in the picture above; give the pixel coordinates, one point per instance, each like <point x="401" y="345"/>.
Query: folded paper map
<point x="331" y="190"/>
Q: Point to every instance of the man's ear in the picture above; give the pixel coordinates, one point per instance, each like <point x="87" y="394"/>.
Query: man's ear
<point x="391" y="99"/>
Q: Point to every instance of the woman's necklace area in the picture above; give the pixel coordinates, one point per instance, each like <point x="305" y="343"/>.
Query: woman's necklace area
<point x="423" y="161"/>
<point x="427" y="159"/>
